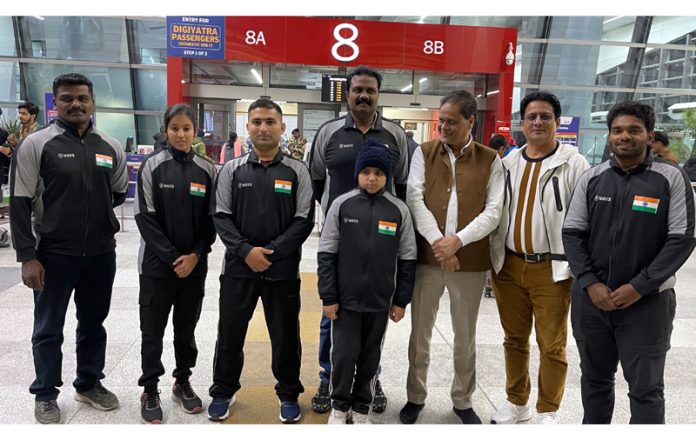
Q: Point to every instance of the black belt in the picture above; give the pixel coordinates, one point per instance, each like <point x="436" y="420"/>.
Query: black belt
<point x="537" y="258"/>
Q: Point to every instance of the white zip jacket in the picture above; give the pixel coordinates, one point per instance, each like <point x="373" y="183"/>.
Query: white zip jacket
<point x="567" y="164"/>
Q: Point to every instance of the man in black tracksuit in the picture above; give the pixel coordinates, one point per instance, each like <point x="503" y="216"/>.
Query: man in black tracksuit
<point x="367" y="263"/>
<point x="65" y="182"/>
<point x="629" y="228"/>
<point x="172" y="210"/>
<point x="263" y="213"/>
<point x="332" y="165"/>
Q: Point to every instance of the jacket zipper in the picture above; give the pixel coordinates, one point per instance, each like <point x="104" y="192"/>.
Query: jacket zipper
<point x="86" y="183"/>
<point x="543" y="213"/>
<point x="617" y="224"/>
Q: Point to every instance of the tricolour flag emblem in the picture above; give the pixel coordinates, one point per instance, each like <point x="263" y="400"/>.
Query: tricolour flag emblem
<point x="387" y="228"/>
<point x="283" y="186"/>
<point x="645" y="204"/>
<point x="105" y="161"/>
<point x="197" y="190"/>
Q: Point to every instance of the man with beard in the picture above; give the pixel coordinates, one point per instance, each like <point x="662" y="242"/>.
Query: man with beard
<point x="332" y="165"/>
<point x="629" y="228"/>
<point x="65" y="182"/>
<point x="27" y="113"/>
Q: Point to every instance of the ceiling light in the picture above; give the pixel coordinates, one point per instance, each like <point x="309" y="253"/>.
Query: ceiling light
<point x="422" y="80"/>
<point x="613" y="18"/>
<point x="38" y="17"/>
<point x="406" y="88"/>
<point x="257" y="76"/>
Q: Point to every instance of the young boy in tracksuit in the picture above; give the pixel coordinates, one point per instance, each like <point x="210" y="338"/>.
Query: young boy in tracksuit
<point x="367" y="261"/>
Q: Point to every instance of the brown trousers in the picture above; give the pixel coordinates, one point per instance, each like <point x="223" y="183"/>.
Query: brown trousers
<point x="526" y="294"/>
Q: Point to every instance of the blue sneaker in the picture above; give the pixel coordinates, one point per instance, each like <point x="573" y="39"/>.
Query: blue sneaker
<point x="219" y="408"/>
<point x="290" y="411"/>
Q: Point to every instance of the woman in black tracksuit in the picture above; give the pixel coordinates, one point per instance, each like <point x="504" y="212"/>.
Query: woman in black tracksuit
<point x="172" y="213"/>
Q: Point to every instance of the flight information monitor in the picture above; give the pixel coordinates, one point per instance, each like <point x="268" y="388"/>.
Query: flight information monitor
<point x="334" y="89"/>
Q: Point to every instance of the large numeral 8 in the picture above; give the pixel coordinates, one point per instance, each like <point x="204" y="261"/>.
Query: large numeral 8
<point x="340" y="41"/>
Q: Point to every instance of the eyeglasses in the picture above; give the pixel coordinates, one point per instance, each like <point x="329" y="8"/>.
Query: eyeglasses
<point x="532" y="117"/>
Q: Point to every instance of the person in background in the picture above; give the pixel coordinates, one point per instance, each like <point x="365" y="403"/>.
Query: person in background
<point x="171" y="209"/>
<point x="412" y="144"/>
<point x="198" y="145"/>
<point x="296" y="146"/>
<point x="28" y="112"/>
<point x="660" y="148"/>
<point x="231" y="149"/>
<point x="160" y="138"/>
<point x="500" y="144"/>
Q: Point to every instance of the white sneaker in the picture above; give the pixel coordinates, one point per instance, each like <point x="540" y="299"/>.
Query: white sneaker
<point x="337" y="417"/>
<point x="509" y="413"/>
<point x="547" y="418"/>
<point x="361" y="419"/>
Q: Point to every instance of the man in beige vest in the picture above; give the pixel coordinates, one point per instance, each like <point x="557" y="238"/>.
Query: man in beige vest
<point x="455" y="193"/>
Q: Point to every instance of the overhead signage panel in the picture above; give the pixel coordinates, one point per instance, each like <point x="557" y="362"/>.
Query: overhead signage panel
<point x="324" y="41"/>
<point x="196" y="37"/>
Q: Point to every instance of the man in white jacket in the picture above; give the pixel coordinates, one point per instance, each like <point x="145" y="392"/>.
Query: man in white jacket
<point x="532" y="279"/>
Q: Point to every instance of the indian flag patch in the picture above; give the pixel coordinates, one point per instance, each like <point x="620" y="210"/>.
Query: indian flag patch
<point x="387" y="228"/>
<point x="645" y="204"/>
<point x="197" y="190"/>
<point x="283" y="186"/>
<point x="104" y="161"/>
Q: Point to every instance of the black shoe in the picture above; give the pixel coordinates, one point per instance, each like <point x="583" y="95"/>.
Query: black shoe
<point x="321" y="401"/>
<point x="184" y="395"/>
<point x="150" y="408"/>
<point x="488" y="292"/>
<point x="468" y="416"/>
<point x="409" y="413"/>
<point x="47" y="412"/>
<point x="99" y="397"/>
<point x="379" y="402"/>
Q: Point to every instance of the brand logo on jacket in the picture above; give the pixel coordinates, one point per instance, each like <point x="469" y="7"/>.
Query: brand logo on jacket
<point x="602" y="198"/>
<point x="166" y="186"/>
<point x="245" y="185"/>
<point x="342" y="146"/>
<point x="66" y="155"/>
<point x="350" y="220"/>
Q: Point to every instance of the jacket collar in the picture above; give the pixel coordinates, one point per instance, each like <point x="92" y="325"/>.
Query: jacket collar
<point x="376" y="124"/>
<point x="180" y="155"/>
<point x="72" y="129"/>
<point x="563" y="154"/>
<point x="649" y="158"/>
<point x="255" y="159"/>
<point x="378" y="193"/>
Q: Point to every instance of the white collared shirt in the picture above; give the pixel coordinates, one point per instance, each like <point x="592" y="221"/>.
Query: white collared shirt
<point x="479" y="227"/>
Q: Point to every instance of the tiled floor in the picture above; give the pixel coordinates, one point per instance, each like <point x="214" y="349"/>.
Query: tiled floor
<point x="256" y="401"/>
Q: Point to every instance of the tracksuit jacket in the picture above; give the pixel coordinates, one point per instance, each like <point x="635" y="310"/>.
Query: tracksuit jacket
<point x="633" y="226"/>
<point x="268" y="206"/>
<point x="367" y="252"/>
<point x="335" y="149"/>
<point x="555" y="191"/>
<point x="66" y="186"/>
<point x="172" y="210"/>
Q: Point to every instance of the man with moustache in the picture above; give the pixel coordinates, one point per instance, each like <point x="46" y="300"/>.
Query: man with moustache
<point x="264" y="242"/>
<point x="629" y="228"/>
<point x="27" y="113"/>
<point x="531" y="277"/>
<point x="332" y="166"/>
<point x="65" y="182"/>
<point x="455" y="193"/>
